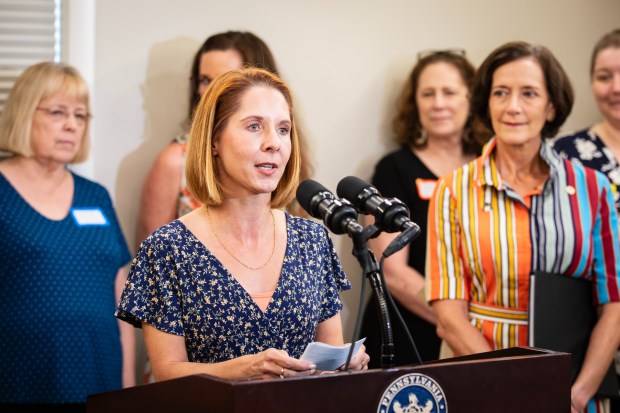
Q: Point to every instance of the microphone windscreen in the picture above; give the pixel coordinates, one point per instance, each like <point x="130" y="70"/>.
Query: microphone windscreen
<point x="306" y="191"/>
<point x="350" y="188"/>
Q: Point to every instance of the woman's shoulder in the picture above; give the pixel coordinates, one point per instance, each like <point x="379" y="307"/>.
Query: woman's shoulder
<point x="297" y="223"/>
<point x="90" y="188"/>
<point x="304" y="230"/>
<point x="397" y="170"/>
<point x="587" y="175"/>
<point x="171" y="156"/>
<point x="568" y="139"/>
<point x="402" y="155"/>
<point x="86" y="182"/>
<point x="166" y="237"/>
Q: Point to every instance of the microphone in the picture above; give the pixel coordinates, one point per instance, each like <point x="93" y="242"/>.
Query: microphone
<point x="391" y="214"/>
<point x="338" y="215"/>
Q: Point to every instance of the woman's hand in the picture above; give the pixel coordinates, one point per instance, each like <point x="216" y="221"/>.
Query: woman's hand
<point x="578" y="400"/>
<point x="272" y="363"/>
<point x="360" y="360"/>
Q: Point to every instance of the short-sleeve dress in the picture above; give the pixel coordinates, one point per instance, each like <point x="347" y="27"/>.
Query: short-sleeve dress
<point x="59" y="339"/>
<point x="179" y="287"/>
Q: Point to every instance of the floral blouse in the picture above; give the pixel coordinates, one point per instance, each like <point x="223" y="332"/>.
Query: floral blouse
<point x="179" y="287"/>
<point x="586" y="147"/>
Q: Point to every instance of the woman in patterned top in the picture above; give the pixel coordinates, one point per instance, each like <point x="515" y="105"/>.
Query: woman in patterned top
<point x="238" y="288"/>
<point x="517" y="209"/>
<point x="598" y="147"/>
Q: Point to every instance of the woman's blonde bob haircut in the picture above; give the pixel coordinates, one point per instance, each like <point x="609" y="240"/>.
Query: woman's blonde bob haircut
<point x="219" y="102"/>
<point x="36" y="83"/>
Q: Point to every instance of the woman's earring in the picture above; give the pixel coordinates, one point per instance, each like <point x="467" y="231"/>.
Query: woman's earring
<point x="422" y="138"/>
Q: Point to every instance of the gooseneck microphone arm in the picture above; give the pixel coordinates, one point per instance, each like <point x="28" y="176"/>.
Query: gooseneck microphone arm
<point x="368" y="262"/>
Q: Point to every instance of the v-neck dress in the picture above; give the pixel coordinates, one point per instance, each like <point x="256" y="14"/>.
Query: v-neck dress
<point x="178" y="286"/>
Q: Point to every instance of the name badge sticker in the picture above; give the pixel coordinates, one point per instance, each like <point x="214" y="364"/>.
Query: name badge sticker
<point x="89" y="217"/>
<point x="425" y="188"/>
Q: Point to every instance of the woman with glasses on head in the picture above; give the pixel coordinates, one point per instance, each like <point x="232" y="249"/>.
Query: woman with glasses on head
<point x="238" y="288"/>
<point x="435" y="134"/>
<point x="62" y="253"/>
<point x="520" y="209"/>
<point x="165" y="195"/>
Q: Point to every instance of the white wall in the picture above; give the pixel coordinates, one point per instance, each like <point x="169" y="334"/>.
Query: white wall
<point x="345" y="60"/>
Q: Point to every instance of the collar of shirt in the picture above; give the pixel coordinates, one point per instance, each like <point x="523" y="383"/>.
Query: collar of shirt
<point x="486" y="173"/>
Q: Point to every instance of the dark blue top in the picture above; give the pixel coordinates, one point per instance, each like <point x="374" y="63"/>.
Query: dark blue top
<point x="59" y="338"/>
<point x="586" y="147"/>
<point x="179" y="287"/>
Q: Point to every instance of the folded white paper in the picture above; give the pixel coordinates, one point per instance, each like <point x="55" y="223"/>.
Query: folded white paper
<point x="328" y="357"/>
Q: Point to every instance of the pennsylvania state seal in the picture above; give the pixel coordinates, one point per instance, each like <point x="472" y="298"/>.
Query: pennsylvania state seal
<point x="413" y="393"/>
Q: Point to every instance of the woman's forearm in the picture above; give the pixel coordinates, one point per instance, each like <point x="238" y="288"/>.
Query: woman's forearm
<point x="454" y="327"/>
<point x="604" y="342"/>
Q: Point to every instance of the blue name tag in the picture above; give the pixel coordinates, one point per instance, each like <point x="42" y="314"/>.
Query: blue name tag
<point x="89" y="217"/>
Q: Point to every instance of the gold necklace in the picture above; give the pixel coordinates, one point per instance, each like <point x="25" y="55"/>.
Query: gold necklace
<point x="273" y="247"/>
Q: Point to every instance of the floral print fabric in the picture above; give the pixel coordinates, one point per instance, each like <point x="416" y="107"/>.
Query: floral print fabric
<point x="179" y="287"/>
<point x="586" y="147"/>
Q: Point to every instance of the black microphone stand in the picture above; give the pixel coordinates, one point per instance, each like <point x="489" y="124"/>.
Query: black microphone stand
<point x="368" y="262"/>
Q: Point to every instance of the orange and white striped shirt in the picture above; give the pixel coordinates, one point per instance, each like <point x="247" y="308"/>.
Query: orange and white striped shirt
<point x="484" y="240"/>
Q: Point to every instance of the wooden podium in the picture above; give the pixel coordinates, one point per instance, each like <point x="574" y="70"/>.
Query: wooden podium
<point x="512" y="380"/>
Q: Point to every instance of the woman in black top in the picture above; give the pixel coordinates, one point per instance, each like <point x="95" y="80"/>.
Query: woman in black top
<point x="433" y="127"/>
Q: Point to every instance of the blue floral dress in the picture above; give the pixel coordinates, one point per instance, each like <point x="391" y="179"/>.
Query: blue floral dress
<point x="179" y="287"/>
<point x="586" y="147"/>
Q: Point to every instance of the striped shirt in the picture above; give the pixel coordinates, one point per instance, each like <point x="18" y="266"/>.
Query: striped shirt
<point x="485" y="240"/>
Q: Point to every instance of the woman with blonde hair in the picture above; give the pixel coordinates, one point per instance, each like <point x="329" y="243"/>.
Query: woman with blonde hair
<point x="62" y="253"/>
<point x="238" y="288"/>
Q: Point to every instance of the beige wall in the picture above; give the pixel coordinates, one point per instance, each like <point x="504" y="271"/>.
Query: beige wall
<point x="345" y="60"/>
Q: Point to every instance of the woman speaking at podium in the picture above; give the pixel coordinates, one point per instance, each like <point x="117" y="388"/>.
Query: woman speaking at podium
<point x="519" y="209"/>
<point x="238" y="288"/>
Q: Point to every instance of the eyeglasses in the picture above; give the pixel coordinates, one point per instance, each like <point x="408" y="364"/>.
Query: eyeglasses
<point x="204" y="81"/>
<point x="454" y="52"/>
<point x="60" y="115"/>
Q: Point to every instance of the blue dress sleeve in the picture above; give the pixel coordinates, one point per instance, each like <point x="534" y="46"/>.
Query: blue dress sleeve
<point x="152" y="292"/>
